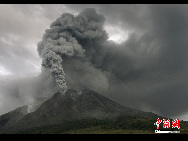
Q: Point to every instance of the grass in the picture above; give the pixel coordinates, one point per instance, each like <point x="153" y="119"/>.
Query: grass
<point x="99" y="130"/>
<point x="122" y="125"/>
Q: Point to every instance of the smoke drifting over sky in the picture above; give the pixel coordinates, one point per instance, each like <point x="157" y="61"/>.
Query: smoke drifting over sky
<point x="145" y="67"/>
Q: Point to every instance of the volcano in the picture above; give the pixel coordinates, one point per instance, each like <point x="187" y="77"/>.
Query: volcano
<point x="65" y="107"/>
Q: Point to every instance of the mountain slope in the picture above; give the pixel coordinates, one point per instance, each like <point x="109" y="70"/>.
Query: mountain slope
<point x="12" y="117"/>
<point x="73" y="105"/>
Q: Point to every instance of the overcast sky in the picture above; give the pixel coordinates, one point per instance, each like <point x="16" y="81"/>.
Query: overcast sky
<point x="154" y="38"/>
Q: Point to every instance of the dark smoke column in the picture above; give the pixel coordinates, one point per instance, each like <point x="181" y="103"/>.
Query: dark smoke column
<point x="64" y="39"/>
<point x="52" y="61"/>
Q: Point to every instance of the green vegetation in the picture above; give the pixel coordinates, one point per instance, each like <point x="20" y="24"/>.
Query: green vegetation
<point x="99" y="130"/>
<point x="121" y="125"/>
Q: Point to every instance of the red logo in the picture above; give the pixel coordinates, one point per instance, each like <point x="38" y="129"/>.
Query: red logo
<point x="157" y="123"/>
<point x="166" y="124"/>
<point x="175" y="123"/>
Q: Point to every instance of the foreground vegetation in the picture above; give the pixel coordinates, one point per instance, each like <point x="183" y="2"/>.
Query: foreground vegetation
<point x="121" y="125"/>
<point x="99" y="130"/>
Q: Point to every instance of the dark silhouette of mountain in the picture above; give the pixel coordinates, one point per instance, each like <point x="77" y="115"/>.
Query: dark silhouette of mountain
<point x="10" y="118"/>
<point x="70" y="106"/>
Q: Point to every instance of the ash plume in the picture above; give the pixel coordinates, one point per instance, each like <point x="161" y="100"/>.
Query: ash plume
<point x="53" y="62"/>
<point x="66" y="39"/>
<point x="77" y="54"/>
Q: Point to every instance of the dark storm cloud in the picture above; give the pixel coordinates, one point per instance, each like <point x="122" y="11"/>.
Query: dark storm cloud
<point x="150" y="68"/>
<point x="129" y="16"/>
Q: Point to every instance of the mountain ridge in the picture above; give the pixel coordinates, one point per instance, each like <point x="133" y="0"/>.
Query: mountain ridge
<point x="72" y="105"/>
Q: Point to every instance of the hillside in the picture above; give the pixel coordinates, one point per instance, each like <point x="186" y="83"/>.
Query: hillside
<point x="76" y="110"/>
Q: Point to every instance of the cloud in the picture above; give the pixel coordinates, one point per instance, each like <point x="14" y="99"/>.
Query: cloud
<point x="150" y="66"/>
<point x="17" y="91"/>
<point x="21" y="28"/>
<point x="146" y="71"/>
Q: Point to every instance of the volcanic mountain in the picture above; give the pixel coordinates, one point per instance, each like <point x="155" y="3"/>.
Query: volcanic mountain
<point x="69" y="106"/>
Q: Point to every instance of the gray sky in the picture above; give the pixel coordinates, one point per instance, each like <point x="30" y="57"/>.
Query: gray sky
<point x="152" y="59"/>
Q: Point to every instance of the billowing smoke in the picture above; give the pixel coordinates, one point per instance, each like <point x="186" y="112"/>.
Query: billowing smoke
<point x="77" y="54"/>
<point x="78" y="46"/>
<point x="67" y="39"/>
<point x="53" y="62"/>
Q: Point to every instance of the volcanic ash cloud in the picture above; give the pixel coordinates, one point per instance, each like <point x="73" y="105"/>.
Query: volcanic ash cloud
<point x="62" y="41"/>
